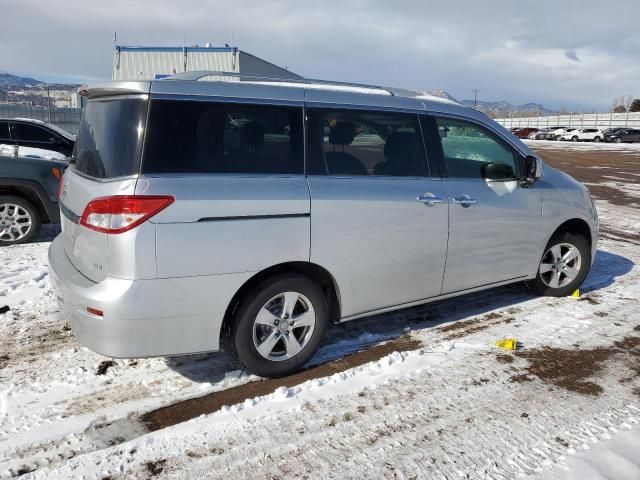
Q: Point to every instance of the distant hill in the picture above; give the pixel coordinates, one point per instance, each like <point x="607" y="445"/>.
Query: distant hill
<point x="29" y="91"/>
<point x="503" y="108"/>
<point x="14" y="82"/>
<point x="442" y="94"/>
<point x="497" y="109"/>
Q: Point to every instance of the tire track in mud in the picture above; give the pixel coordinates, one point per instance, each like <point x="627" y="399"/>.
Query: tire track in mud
<point x="186" y="410"/>
<point x="453" y="433"/>
<point x="103" y="434"/>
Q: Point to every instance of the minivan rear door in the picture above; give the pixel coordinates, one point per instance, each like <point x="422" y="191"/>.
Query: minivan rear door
<point x="378" y="214"/>
<point x="105" y="162"/>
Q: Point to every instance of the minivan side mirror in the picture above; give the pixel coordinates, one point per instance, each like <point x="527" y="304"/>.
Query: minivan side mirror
<point x="530" y="173"/>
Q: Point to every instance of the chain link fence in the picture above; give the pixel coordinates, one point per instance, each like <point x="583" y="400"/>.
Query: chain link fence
<point x="585" y="120"/>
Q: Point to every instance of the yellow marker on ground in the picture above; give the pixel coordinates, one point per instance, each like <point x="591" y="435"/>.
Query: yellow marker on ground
<point x="576" y="293"/>
<point x="507" y="343"/>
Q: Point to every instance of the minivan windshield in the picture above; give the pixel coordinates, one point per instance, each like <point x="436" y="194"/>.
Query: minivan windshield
<point x="110" y="137"/>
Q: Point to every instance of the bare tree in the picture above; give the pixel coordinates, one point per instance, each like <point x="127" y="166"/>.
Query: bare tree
<point x="627" y="100"/>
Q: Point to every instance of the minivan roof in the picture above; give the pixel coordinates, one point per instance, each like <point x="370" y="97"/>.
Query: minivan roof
<point x="231" y="84"/>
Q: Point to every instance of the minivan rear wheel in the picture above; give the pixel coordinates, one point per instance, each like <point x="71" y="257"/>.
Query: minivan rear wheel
<point x="279" y="326"/>
<point x="19" y="220"/>
<point x="564" y="265"/>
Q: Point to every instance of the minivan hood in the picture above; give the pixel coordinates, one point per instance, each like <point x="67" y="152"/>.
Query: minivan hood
<point x="561" y="180"/>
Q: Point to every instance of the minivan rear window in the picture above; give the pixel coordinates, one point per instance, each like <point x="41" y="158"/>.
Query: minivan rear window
<point x="187" y="136"/>
<point x="110" y="137"/>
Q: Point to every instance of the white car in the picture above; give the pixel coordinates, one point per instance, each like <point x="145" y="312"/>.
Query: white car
<point x="584" y="135"/>
<point x="556" y="133"/>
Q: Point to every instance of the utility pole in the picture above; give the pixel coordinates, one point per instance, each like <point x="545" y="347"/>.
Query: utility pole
<point x="49" y="103"/>
<point x="475" y="97"/>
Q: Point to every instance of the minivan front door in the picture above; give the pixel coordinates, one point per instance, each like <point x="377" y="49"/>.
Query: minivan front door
<point x="494" y="222"/>
<point x="378" y="220"/>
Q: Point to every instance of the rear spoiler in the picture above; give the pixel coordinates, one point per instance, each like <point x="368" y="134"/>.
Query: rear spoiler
<point x="115" y="88"/>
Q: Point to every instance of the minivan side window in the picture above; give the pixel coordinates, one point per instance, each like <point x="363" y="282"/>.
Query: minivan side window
<point x="472" y="151"/>
<point x="353" y="142"/>
<point x="208" y="137"/>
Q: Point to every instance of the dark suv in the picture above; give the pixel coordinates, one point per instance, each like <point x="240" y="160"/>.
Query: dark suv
<point x="623" y="135"/>
<point x="31" y="133"/>
<point x="29" y="178"/>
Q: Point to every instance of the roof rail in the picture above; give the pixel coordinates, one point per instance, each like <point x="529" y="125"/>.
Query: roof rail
<point x="293" y="82"/>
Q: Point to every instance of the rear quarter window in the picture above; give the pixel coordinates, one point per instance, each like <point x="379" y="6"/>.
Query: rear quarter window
<point x="109" y="139"/>
<point x="208" y="137"/>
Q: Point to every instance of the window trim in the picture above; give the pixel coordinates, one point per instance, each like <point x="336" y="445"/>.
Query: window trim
<point x="367" y="109"/>
<point x="495" y="134"/>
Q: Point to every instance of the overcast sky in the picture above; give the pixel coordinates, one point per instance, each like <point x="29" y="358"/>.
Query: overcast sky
<point x="573" y="54"/>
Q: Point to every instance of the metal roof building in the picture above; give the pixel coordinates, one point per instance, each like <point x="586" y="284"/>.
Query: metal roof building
<point x="149" y="63"/>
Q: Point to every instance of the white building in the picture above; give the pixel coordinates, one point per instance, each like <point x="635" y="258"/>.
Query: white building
<point x="148" y="63"/>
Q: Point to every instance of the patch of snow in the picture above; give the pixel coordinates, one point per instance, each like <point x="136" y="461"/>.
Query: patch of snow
<point x="616" y="457"/>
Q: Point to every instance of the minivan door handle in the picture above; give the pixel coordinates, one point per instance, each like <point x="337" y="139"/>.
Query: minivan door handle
<point x="429" y="199"/>
<point x="465" y="200"/>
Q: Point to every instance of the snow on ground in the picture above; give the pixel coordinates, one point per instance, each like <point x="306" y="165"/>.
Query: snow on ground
<point x="456" y="406"/>
<point x="614" y="458"/>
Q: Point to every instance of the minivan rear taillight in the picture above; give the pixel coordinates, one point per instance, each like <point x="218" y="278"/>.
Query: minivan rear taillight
<point x="120" y="213"/>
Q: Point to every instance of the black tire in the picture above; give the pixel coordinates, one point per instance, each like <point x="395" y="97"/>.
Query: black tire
<point x="238" y="337"/>
<point x="597" y="139"/>
<point x="31" y="211"/>
<point x="617" y="140"/>
<point x="574" y="139"/>
<point x="541" y="287"/>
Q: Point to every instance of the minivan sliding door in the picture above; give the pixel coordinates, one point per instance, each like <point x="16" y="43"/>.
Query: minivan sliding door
<point x="378" y="219"/>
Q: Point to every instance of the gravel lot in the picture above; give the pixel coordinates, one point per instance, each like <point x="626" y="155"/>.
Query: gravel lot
<point x="419" y="393"/>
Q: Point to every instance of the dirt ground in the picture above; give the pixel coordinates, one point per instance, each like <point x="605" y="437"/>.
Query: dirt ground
<point x="595" y="167"/>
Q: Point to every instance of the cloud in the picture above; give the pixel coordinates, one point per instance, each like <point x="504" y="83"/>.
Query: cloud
<point x="507" y="51"/>
<point x="572" y="55"/>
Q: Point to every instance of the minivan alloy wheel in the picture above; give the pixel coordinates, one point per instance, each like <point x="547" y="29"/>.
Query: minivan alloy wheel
<point x="560" y="265"/>
<point x="15" y="222"/>
<point x="284" y="326"/>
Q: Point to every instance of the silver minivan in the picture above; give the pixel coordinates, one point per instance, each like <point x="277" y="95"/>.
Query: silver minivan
<point x="209" y="212"/>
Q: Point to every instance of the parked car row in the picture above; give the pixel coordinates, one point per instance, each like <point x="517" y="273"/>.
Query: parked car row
<point x="33" y="157"/>
<point x="562" y="133"/>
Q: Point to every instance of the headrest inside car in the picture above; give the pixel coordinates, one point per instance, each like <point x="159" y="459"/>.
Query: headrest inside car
<point x="253" y="134"/>
<point x="342" y="133"/>
<point x="400" y="145"/>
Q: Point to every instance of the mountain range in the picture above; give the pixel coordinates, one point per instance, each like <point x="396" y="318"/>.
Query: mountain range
<point x="497" y="109"/>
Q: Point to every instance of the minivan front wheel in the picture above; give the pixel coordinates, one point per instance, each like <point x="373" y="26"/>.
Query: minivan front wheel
<point x="564" y="265"/>
<point x="279" y="327"/>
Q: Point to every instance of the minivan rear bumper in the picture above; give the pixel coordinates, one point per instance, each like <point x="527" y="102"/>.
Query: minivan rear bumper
<point x="142" y="318"/>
